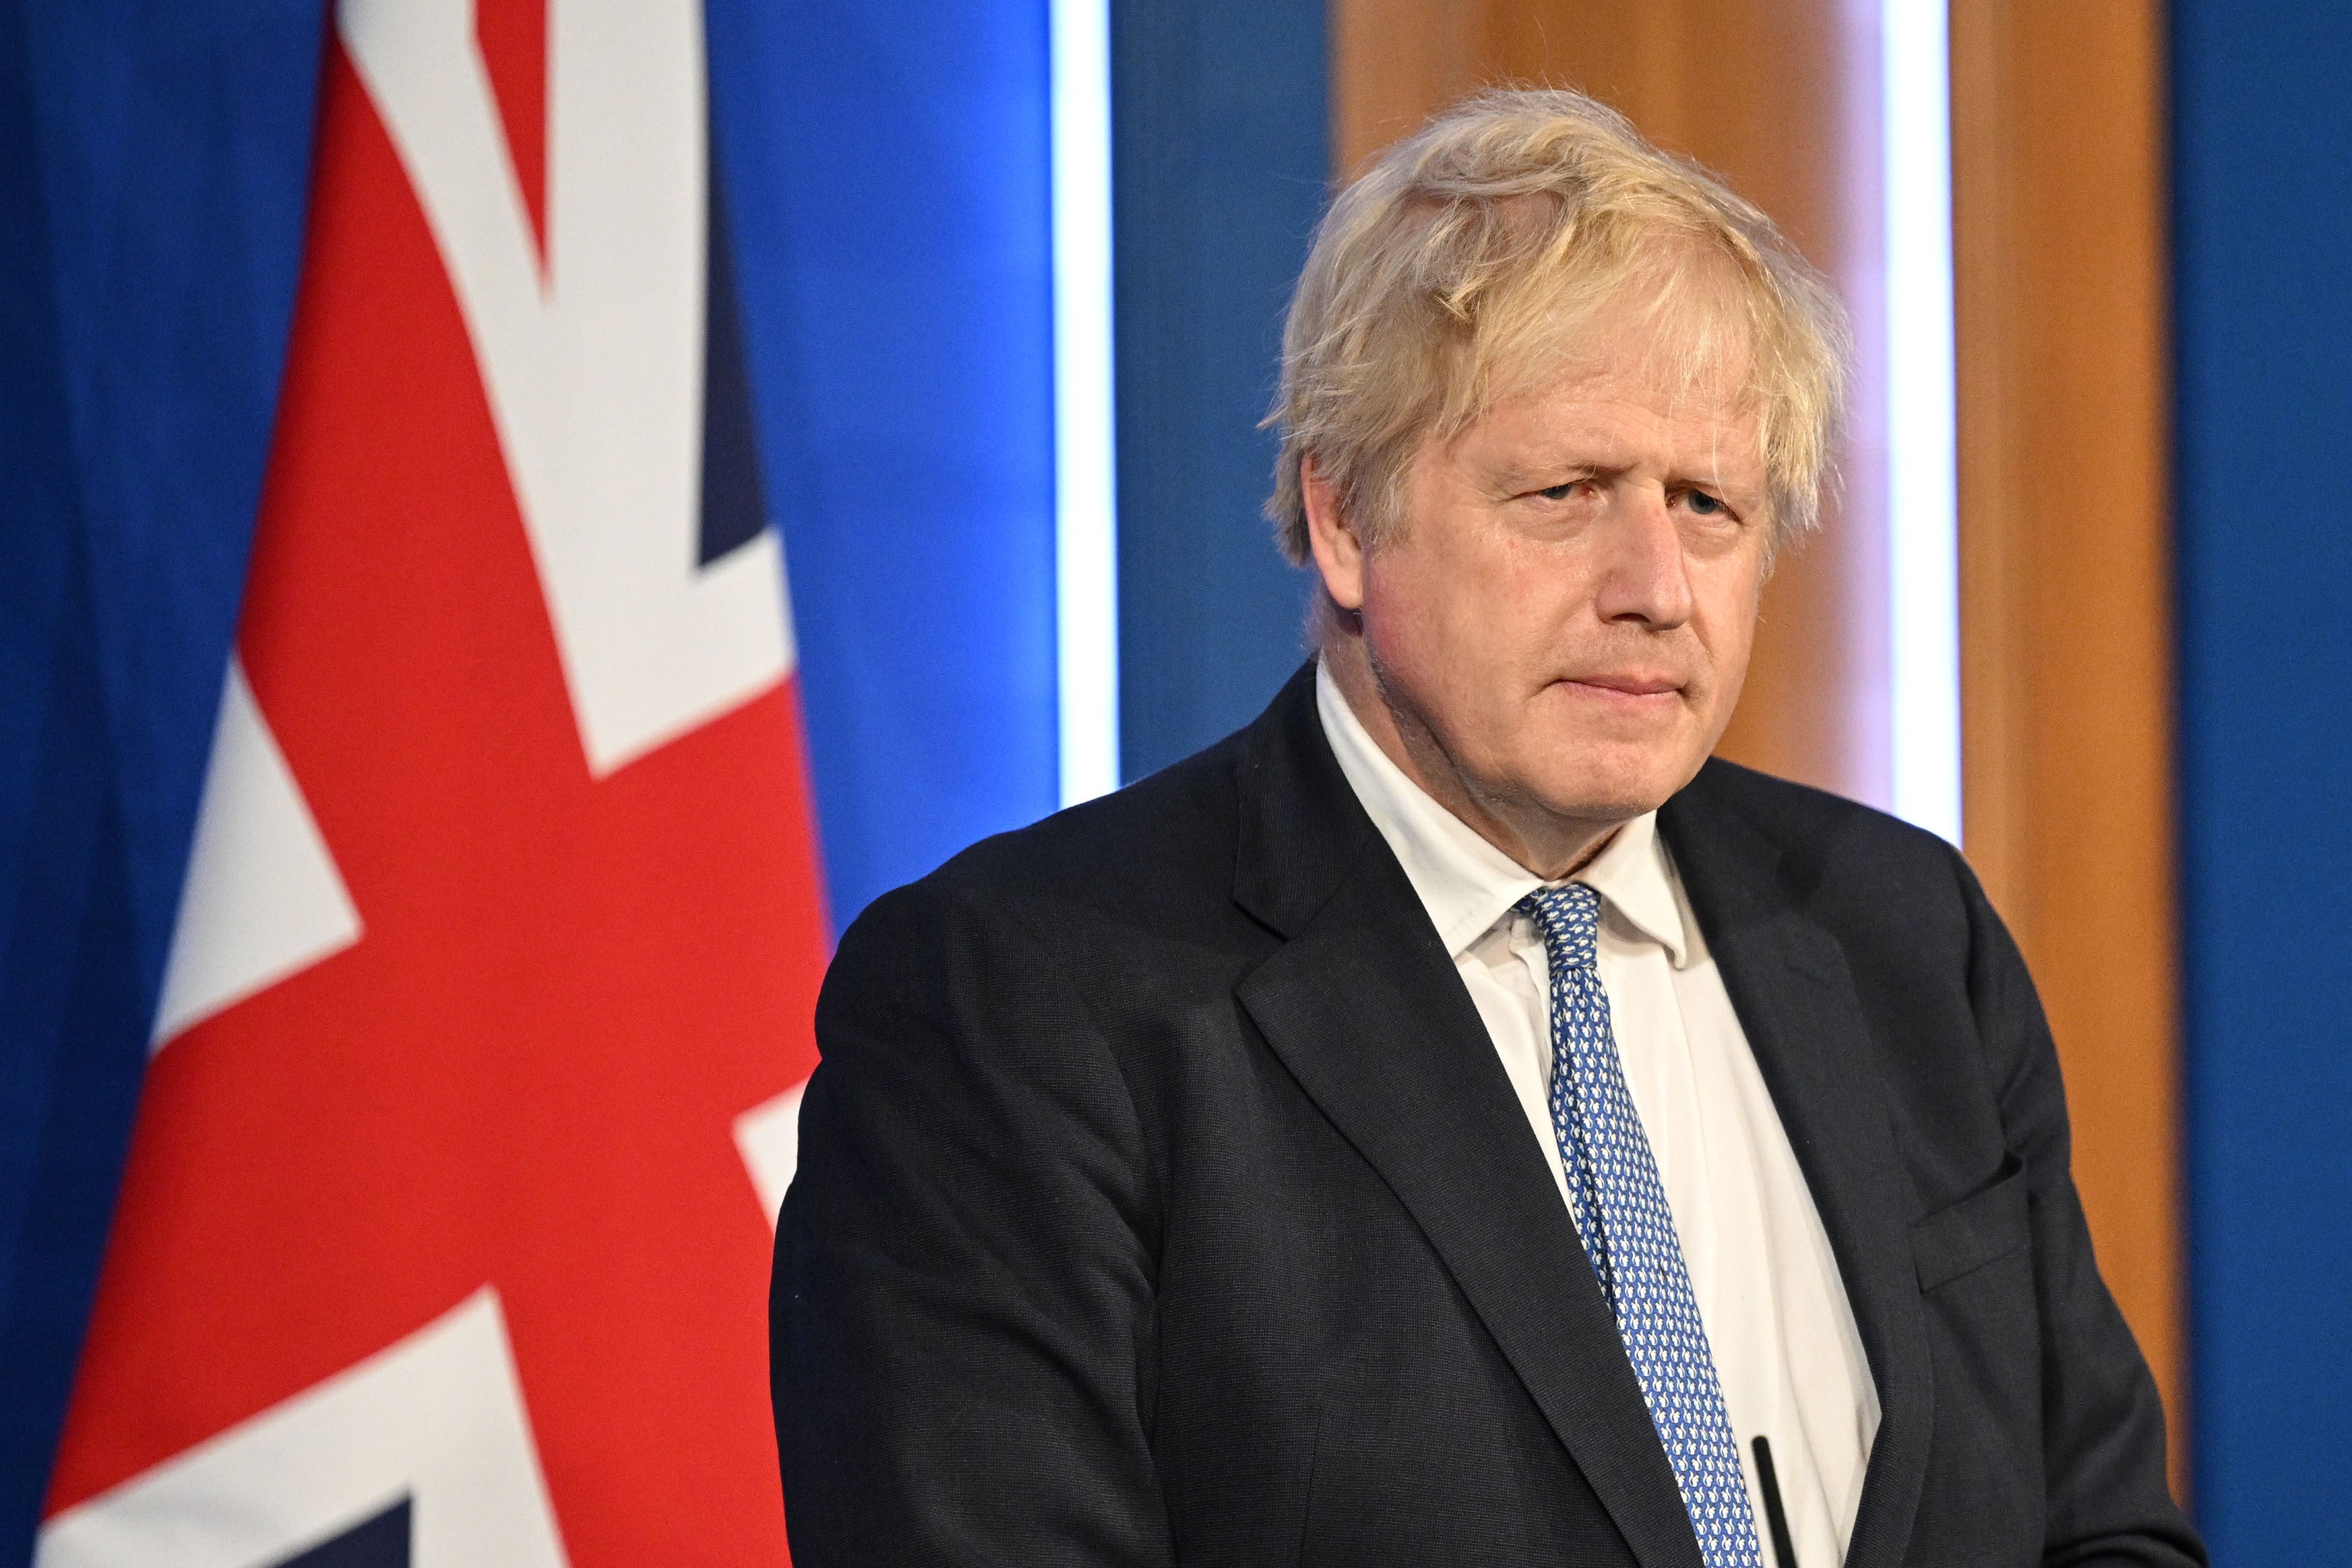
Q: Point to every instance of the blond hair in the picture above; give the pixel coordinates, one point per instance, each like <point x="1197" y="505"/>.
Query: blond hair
<point x="1459" y="268"/>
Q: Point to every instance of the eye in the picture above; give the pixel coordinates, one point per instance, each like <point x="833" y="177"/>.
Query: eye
<point x="1562" y="491"/>
<point x="1705" y="504"/>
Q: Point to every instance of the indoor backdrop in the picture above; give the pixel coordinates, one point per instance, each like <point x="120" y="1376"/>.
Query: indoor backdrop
<point x="2150" y="268"/>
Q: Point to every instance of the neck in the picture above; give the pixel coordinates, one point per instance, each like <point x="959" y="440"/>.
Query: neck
<point x="1547" y="844"/>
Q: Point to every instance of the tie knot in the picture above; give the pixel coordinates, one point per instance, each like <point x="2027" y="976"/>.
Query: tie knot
<point x="1569" y="919"/>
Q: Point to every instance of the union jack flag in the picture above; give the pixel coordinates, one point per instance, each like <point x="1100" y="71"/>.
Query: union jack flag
<point x="445" y="1235"/>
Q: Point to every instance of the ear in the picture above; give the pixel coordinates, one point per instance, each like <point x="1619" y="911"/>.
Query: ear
<point x="1338" y="550"/>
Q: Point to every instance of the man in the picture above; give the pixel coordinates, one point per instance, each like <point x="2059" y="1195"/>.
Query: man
<point x="1454" y="1120"/>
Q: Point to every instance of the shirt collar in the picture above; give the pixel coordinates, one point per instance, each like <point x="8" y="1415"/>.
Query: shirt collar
<point x="1466" y="884"/>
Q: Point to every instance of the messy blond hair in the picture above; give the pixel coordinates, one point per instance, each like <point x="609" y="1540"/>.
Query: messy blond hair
<point x="1461" y="266"/>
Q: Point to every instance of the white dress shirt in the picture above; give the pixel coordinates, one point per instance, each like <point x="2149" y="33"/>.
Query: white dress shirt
<point x="1786" y="1350"/>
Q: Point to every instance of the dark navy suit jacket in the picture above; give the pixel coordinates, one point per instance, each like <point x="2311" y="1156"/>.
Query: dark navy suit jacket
<point x="1161" y="1199"/>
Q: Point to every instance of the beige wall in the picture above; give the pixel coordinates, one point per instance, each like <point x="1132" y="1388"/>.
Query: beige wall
<point x="2065" y="640"/>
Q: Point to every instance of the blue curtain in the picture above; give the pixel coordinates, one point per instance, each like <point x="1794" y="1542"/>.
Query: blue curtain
<point x="887" y="166"/>
<point x="153" y="161"/>
<point x="2262" y="122"/>
<point x="1221" y="158"/>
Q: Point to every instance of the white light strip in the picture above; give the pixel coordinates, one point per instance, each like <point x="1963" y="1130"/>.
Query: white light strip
<point x="1922" y="513"/>
<point x="1085" y="530"/>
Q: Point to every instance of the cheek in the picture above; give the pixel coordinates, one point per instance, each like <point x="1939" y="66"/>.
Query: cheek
<point x="1473" y="617"/>
<point x="1413" y="596"/>
<point x="1503" y="592"/>
<point x="1729" y="596"/>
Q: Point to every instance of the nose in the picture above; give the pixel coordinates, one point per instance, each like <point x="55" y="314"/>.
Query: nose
<point x="1644" y="578"/>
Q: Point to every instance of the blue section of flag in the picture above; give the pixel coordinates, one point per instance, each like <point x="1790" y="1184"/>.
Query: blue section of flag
<point x="382" y="1541"/>
<point x="888" y="170"/>
<point x="153" y="165"/>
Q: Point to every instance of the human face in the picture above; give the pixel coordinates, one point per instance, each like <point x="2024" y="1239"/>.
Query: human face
<point x="1553" y="640"/>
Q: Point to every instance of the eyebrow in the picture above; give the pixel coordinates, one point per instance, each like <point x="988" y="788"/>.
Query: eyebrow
<point x="1523" y="476"/>
<point x="1518" y="477"/>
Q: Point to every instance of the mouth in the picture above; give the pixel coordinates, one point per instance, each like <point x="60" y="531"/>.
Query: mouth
<point x="1627" y="685"/>
<point x="1626" y="693"/>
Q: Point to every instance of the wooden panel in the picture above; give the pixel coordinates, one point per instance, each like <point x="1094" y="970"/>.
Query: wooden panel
<point x="1393" y="63"/>
<point x="1806" y="151"/>
<point x="2066" y="588"/>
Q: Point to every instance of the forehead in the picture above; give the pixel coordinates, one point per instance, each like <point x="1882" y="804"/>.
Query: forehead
<point x="1675" y="340"/>
<point x="1626" y="409"/>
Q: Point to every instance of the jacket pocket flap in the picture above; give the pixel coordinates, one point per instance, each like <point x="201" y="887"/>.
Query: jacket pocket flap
<point x="1966" y="1234"/>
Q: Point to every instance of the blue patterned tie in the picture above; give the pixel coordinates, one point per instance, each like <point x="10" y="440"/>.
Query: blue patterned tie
<point x="1629" y="1232"/>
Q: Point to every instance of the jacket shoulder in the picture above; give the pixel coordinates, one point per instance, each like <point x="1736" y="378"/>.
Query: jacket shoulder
<point x="1811" y="825"/>
<point x="1879" y="881"/>
<point x="1160" y="847"/>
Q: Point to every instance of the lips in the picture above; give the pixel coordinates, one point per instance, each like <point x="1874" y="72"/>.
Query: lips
<point x="1631" y="686"/>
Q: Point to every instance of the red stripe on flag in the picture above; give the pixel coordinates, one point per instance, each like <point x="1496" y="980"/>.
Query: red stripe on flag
<point x="513" y="40"/>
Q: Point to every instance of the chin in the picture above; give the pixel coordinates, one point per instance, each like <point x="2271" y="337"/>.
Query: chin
<point x="1616" y="781"/>
<point x="1614" y="774"/>
<point x="1600" y="803"/>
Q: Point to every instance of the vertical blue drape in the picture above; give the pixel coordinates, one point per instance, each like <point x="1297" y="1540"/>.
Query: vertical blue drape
<point x="153" y="165"/>
<point x="1221" y="158"/>
<point x="2262" y="125"/>
<point x="889" y="169"/>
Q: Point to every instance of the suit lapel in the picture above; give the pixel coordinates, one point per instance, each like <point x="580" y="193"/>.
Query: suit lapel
<point x="1790" y="985"/>
<point x="1365" y="1009"/>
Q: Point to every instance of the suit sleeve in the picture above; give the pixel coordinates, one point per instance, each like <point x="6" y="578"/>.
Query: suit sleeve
<point x="2102" y="1424"/>
<point x="960" y="1315"/>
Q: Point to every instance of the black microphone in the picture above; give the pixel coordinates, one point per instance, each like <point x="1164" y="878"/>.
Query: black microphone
<point x="1776" y="1518"/>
